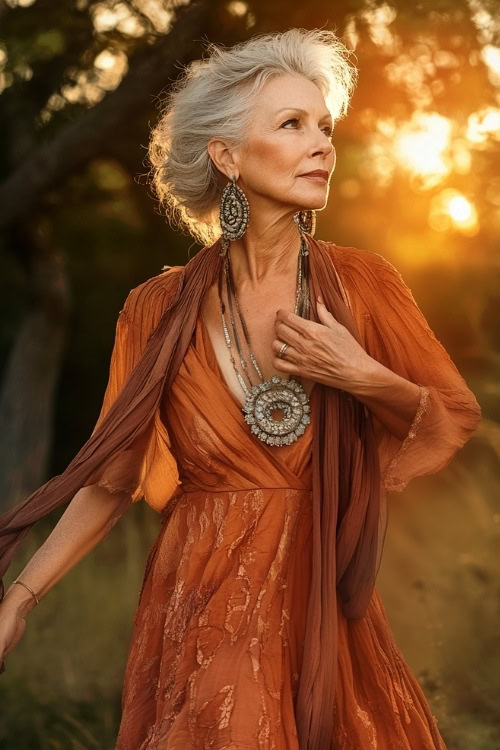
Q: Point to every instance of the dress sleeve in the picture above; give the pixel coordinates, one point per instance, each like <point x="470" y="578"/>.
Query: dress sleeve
<point x="396" y="333"/>
<point x="136" y="321"/>
<point x="124" y="357"/>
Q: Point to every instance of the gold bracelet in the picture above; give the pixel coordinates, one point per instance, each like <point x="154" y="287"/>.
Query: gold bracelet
<point x="30" y="590"/>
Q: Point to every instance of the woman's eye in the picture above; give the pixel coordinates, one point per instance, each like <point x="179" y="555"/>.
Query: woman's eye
<point x="328" y="130"/>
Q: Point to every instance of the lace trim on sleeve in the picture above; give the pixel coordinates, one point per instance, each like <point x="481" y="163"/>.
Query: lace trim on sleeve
<point x="112" y="487"/>
<point x="388" y="480"/>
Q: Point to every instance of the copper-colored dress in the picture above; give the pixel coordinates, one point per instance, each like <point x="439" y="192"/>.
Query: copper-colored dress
<point x="216" y="651"/>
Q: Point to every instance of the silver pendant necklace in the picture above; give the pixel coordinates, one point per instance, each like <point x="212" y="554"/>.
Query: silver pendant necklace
<point x="267" y="396"/>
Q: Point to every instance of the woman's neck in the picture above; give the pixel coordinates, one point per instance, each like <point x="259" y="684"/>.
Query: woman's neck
<point x="267" y="251"/>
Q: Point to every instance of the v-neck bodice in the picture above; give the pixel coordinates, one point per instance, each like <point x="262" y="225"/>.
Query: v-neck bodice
<point x="215" y="365"/>
<point x="211" y="441"/>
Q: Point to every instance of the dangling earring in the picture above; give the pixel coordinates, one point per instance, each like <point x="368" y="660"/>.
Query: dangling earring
<point x="306" y="221"/>
<point x="234" y="213"/>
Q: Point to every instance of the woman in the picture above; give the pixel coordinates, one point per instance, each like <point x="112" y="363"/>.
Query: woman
<point x="263" y="398"/>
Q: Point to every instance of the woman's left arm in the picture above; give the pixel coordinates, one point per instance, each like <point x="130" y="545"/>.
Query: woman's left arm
<point x="422" y="408"/>
<point x="398" y="338"/>
<point x="392" y="399"/>
<point x="327" y="353"/>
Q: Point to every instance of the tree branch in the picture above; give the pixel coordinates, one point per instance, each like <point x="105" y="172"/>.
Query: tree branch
<point x="51" y="163"/>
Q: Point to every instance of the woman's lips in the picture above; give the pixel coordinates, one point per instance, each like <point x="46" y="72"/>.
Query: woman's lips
<point x="314" y="177"/>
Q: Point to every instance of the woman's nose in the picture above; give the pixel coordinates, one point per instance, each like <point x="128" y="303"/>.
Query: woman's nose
<point x="325" y="147"/>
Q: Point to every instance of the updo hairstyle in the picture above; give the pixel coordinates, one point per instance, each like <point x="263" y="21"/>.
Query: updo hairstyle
<point x="215" y="97"/>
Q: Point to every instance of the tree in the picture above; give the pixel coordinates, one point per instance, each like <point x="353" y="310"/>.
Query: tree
<point x="80" y="88"/>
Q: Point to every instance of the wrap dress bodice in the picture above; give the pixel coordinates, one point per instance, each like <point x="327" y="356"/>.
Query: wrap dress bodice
<point x="213" y="445"/>
<point x="217" y="648"/>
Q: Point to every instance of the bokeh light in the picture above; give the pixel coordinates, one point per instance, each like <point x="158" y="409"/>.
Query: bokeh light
<point x="451" y="210"/>
<point x="421" y="146"/>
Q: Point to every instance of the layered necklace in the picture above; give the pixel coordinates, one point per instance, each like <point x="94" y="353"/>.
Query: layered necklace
<point x="263" y="398"/>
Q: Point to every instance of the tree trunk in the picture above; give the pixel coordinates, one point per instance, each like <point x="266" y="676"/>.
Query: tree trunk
<point x="31" y="374"/>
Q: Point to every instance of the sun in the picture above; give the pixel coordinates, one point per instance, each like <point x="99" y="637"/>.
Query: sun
<point x="451" y="210"/>
<point x="422" y="145"/>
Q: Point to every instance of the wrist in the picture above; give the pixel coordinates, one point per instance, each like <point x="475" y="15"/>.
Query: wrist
<point x="369" y="380"/>
<point x="18" y="599"/>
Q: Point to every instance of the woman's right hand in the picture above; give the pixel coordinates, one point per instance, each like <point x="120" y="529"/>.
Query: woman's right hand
<point x="12" y="627"/>
<point x="87" y="520"/>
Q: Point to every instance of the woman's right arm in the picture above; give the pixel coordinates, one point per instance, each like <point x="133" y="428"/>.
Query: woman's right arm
<point x="94" y="510"/>
<point x="87" y="520"/>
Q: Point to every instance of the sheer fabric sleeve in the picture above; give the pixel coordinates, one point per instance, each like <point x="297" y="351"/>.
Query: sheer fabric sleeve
<point x="138" y="318"/>
<point x="396" y="333"/>
<point x="124" y="357"/>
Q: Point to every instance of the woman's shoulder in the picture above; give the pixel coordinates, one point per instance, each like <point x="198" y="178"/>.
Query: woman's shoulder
<point x="355" y="260"/>
<point x="369" y="280"/>
<point x="151" y="297"/>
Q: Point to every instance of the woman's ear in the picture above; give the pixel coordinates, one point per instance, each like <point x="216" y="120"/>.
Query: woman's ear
<point x="222" y="157"/>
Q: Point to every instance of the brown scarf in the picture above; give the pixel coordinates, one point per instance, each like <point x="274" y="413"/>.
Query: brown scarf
<point x="348" y="525"/>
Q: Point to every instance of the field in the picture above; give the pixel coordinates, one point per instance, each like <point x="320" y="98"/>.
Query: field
<point x="439" y="580"/>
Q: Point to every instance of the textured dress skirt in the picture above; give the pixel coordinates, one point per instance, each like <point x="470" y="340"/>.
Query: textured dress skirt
<point x="217" y="644"/>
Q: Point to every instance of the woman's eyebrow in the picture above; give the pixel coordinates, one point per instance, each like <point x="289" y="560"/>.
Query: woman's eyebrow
<point x="302" y="111"/>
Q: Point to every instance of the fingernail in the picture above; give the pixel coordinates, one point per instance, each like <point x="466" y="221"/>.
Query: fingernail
<point x="320" y="300"/>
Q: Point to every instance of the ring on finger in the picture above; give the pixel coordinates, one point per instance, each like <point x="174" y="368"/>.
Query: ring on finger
<point x="282" y="350"/>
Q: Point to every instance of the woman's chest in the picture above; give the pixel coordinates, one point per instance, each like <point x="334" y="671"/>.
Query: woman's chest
<point x="259" y="316"/>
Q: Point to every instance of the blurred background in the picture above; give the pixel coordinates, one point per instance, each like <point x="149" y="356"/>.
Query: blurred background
<point x="417" y="180"/>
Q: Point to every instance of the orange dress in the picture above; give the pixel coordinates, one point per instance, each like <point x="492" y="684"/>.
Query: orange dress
<point x="217" y="645"/>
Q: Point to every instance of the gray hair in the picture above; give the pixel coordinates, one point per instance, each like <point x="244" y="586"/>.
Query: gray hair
<point x="214" y="98"/>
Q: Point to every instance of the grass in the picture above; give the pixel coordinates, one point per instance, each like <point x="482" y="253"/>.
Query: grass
<point x="439" y="581"/>
<point x="62" y="684"/>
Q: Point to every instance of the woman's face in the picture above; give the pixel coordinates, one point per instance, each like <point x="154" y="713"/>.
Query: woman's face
<point x="290" y="134"/>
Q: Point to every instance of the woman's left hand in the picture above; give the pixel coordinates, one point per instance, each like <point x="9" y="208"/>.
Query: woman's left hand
<point x="324" y="352"/>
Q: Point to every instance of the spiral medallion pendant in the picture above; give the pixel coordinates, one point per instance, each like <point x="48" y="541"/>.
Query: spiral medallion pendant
<point x="277" y="393"/>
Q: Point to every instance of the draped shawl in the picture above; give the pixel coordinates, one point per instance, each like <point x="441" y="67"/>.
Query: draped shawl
<point x="128" y="449"/>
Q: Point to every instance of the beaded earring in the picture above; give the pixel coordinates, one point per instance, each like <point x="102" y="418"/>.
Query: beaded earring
<point x="234" y="213"/>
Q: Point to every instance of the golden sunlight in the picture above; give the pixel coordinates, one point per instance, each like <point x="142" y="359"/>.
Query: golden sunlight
<point x="107" y="17"/>
<point x="421" y="146"/>
<point x="110" y="67"/>
<point x="460" y="209"/>
<point x="160" y="16"/>
<point x="483" y="125"/>
<point x="424" y="146"/>
<point x="451" y="210"/>
<point x="491" y="56"/>
<point x="237" y="8"/>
